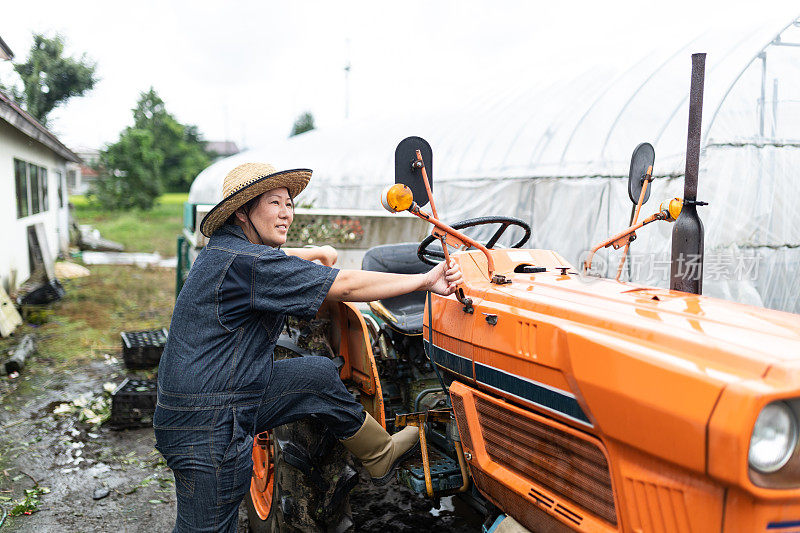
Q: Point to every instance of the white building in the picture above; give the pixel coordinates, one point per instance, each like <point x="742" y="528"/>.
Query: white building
<point x="81" y="177"/>
<point x="32" y="189"/>
<point x="220" y="149"/>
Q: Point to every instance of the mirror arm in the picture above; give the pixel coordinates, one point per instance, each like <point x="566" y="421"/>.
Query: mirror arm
<point x="415" y="210"/>
<point x="420" y="164"/>
<point x="646" y="179"/>
<point x="619" y="239"/>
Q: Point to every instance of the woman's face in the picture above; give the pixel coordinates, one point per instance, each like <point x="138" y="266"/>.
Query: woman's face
<point x="272" y="215"/>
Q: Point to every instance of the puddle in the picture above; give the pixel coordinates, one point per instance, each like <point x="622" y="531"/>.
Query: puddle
<point x="445" y="505"/>
<point x="73" y="459"/>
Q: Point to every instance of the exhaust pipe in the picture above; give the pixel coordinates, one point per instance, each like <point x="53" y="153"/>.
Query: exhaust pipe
<point x="687" y="236"/>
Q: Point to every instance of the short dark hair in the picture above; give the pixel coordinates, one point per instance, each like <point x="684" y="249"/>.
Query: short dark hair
<point x="249" y="205"/>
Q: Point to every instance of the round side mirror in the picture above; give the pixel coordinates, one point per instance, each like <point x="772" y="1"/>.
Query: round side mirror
<point x="407" y="169"/>
<point x="643" y="158"/>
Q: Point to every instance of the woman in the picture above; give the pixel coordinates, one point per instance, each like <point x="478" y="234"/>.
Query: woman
<point x="217" y="382"/>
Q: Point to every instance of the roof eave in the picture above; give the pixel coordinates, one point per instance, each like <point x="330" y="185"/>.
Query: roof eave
<point x="25" y="123"/>
<point x="5" y="51"/>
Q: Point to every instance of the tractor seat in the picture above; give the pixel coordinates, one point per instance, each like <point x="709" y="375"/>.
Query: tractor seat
<point x="405" y="311"/>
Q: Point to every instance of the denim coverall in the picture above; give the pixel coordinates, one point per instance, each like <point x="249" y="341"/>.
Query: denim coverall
<point x="218" y="384"/>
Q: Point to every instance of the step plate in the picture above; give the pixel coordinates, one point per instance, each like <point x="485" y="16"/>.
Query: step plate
<point x="445" y="473"/>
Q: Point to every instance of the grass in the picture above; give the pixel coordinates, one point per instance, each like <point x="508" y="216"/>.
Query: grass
<point x="139" y="231"/>
<point x="87" y="322"/>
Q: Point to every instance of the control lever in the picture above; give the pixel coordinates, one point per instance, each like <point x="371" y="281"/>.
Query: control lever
<point x="419" y="164"/>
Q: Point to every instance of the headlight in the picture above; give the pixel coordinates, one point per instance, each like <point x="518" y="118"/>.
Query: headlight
<point x="774" y="438"/>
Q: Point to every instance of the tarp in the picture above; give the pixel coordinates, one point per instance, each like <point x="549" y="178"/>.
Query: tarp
<point x="556" y="154"/>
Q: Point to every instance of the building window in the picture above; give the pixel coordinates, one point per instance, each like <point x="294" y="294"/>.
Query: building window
<point x="71" y="180"/>
<point x="60" y="182"/>
<point x="31" y="188"/>
<point x="43" y="188"/>
<point x="21" y="177"/>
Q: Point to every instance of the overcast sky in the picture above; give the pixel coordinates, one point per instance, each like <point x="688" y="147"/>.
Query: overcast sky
<point x="245" y="70"/>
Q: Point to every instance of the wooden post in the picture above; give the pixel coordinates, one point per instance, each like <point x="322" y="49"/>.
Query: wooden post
<point x="24" y="349"/>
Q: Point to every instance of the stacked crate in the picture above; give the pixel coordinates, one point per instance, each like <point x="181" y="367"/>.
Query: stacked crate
<point x="133" y="402"/>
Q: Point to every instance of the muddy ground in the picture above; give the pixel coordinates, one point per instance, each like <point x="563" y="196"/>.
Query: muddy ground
<point x="76" y="461"/>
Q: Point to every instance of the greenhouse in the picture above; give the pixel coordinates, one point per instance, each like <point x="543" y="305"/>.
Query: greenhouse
<point x="557" y="153"/>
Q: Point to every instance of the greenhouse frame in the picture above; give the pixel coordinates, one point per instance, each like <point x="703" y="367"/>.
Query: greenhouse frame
<point x="556" y="154"/>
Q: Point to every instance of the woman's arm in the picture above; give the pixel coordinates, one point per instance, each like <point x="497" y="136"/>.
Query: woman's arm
<point x="366" y="286"/>
<point x="326" y="255"/>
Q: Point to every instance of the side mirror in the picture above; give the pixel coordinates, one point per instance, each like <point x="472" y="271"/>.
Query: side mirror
<point x="407" y="170"/>
<point x="642" y="159"/>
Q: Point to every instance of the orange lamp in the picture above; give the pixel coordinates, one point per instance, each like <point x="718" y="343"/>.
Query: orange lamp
<point x="397" y="198"/>
<point x="673" y="207"/>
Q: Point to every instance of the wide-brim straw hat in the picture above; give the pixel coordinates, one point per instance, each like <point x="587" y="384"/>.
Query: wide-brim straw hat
<point x="247" y="181"/>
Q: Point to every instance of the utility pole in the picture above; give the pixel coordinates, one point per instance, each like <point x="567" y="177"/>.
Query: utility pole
<point x="347" y="80"/>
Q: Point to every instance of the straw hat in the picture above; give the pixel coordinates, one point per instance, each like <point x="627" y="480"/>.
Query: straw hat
<point x="247" y="181"/>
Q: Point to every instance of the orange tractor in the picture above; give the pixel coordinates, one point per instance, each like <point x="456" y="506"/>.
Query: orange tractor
<point x="565" y="401"/>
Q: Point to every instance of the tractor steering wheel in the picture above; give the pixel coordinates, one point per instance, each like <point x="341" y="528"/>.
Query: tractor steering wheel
<point x="434" y="257"/>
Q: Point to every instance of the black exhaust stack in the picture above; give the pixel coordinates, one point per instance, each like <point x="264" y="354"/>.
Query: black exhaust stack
<point x="687" y="235"/>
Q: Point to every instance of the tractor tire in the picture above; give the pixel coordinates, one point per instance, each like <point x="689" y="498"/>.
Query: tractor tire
<point x="312" y="476"/>
<point x="302" y="475"/>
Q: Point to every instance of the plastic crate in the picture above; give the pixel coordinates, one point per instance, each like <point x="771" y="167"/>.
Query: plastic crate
<point x="133" y="403"/>
<point x="142" y="349"/>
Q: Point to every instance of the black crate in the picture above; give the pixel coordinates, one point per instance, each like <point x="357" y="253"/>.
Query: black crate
<point x="142" y="349"/>
<point x="133" y="403"/>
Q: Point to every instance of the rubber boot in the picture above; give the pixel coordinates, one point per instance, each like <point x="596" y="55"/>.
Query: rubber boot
<point x="380" y="452"/>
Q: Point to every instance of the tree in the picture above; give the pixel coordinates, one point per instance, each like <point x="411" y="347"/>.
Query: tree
<point x="304" y="123"/>
<point x="49" y="79"/>
<point x="129" y="172"/>
<point x="181" y="146"/>
<point x="157" y="153"/>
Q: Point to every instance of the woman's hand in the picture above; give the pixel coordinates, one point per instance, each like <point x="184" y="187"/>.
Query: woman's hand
<point x="444" y="281"/>
<point x="327" y="255"/>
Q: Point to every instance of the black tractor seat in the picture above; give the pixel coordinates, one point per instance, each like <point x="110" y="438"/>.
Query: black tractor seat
<point x="405" y="312"/>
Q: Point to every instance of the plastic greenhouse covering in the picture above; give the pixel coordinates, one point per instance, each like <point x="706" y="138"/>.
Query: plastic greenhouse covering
<point x="557" y="155"/>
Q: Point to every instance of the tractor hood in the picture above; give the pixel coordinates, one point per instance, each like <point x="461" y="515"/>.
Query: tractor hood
<point x="742" y="340"/>
<point x="713" y="334"/>
<point x="647" y="365"/>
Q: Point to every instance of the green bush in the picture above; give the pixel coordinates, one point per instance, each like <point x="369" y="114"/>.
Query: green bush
<point x="128" y="173"/>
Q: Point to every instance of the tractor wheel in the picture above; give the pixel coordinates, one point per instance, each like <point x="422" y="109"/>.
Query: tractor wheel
<point x="302" y="478"/>
<point x="260" y="499"/>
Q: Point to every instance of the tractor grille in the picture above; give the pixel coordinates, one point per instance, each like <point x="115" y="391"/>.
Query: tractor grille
<point x="461" y="421"/>
<point x="570" y="467"/>
<point x="656" y="503"/>
<point x="526" y="513"/>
